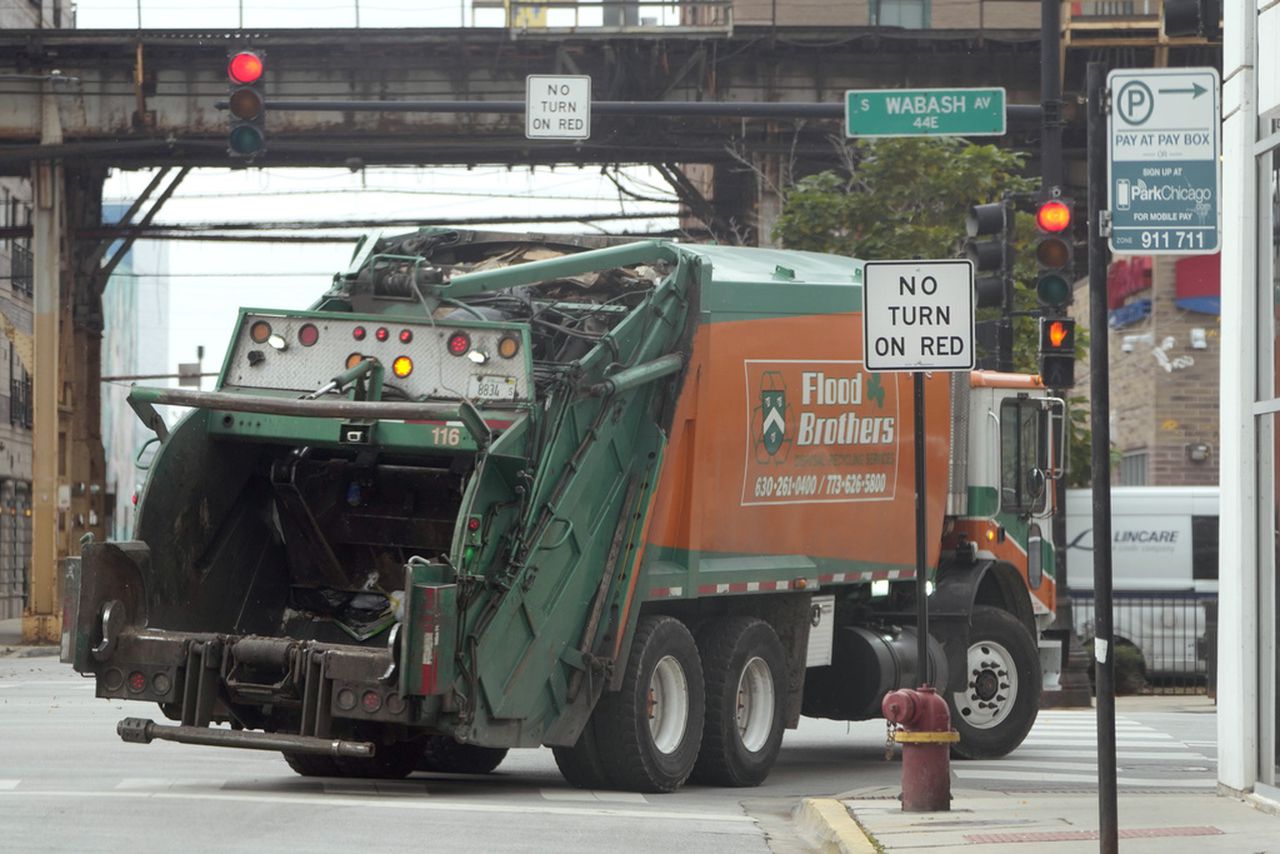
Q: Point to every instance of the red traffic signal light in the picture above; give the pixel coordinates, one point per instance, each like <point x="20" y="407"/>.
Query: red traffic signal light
<point x="245" y="67"/>
<point x="1053" y="216"/>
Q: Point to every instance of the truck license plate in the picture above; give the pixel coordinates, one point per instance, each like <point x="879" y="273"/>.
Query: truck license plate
<point x="491" y="387"/>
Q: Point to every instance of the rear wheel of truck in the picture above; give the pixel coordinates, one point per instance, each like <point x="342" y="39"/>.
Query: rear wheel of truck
<point x="313" y="764"/>
<point x="389" y="762"/>
<point x="995" y="707"/>
<point x="444" y="754"/>
<point x="743" y="661"/>
<point x="648" y="733"/>
<point x="581" y="764"/>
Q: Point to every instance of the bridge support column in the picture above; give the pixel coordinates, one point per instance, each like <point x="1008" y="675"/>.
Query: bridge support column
<point x="41" y="623"/>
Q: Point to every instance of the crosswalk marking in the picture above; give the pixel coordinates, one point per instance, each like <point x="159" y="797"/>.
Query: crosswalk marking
<point x="1062" y="749"/>
<point x="9" y="784"/>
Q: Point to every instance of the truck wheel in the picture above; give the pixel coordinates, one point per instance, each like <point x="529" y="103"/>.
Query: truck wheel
<point x="313" y="764"/>
<point x="743" y="661"/>
<point x="390" y="762"/>
<point x="997" y="705"/>
<point x="580" y="764"/>
<point x="648" y="733"/>
<point x="447" y="755"/>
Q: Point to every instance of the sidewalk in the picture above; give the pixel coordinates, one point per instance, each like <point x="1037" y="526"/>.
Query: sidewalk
<point x="980" y="822"/>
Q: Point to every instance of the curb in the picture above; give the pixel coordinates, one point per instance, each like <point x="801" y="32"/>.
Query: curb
<point x="826" y="822"/>
<point x="27" y="651"/>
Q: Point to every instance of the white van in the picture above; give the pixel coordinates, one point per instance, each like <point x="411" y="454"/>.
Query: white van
<point x="1164" y="567"/>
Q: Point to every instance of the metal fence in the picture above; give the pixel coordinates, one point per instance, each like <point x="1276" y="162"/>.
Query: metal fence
<point x="1165" y="642"/>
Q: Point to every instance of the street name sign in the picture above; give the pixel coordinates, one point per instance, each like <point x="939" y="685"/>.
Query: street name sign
<point x="924" y="112"/>
<point x="918" y="315"/>
<point x="1163" y="175"/>
<point x="557" y="106"/>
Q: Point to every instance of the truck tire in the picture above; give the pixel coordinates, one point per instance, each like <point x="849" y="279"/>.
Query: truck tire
<point x="648" y="734"/>
<point x="996" y="706"/>
<point x="389" y="762"/>
<point x="742" y="661"/>
<point x="313" y="764"/>
<point x="580" y="764"/>
<point x="447" y="755"/>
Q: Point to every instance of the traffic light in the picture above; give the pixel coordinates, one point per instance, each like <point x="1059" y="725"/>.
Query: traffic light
<point x="1058" y="352"/>
<point x="990" y="229"/>
<point x="246" y="103"/>
<point x="1055" y="252"/>
<point x="1192" y="18"/>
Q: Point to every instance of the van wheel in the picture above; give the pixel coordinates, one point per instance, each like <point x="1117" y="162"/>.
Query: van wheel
<point x="743" y="661"/>
<point x="313" y="764"/>
<point x="997" y="704"/>
<point x="648" y="733"/>
<point x="444" y="754"/>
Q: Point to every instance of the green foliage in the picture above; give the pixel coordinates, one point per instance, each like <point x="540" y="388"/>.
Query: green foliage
<point x="908" y="198"/>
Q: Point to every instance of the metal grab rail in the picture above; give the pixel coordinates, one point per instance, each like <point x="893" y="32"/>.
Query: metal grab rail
<point x="143" y="401"/>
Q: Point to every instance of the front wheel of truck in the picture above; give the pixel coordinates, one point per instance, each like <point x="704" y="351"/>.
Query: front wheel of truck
<point x="743" y="661"/>
<point x="996" y="703"/>
<point x="648" y="734"/>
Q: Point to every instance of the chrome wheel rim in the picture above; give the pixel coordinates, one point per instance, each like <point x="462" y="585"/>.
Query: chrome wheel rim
<point x="668" y="705"/>
<point x="755" y="704"/>
<point x="991" y="687"/>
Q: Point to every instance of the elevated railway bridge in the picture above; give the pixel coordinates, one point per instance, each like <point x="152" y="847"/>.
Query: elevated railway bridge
<point x="75" y="104"/>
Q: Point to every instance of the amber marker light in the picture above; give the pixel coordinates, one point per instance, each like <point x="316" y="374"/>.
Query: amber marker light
<point x="259" y="332"/>
<point x="508" y="347"/>
<point x="402" y="366"/>
<point x="354" y="359"/>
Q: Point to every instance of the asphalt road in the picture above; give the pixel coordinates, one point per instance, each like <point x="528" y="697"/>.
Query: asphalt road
<point x="67" y="783"/>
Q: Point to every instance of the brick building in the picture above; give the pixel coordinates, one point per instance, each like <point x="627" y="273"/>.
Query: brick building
<point x="15" y="349"/>
<point x="1164" y="343"/>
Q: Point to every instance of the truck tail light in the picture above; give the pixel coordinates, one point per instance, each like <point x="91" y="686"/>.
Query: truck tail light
<point x="308" y="334"/>
<point x="459" y="344"/>
<point x="508" y="346"/>
<point x="259" y="332"/>
<point x="402" y="366"/>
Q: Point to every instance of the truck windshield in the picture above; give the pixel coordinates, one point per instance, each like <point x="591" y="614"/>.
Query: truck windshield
<point x="1022" y="457"/>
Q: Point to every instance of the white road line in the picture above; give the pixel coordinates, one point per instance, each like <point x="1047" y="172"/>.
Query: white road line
<point x="1120" y="754"/>
<point x="424" y="805"/>
<point x="1033" y="777"/>
<point x="9" y="784"/>
<point x="1088" y="736"/>
<point x="593" y="795"/>
<point x="130" y="783"/>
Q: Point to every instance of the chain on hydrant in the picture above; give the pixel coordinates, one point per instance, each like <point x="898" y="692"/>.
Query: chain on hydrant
<point x="924" y="730"/>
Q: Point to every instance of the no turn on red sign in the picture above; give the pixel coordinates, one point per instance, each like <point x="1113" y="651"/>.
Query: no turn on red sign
<point x="918" y="315"/>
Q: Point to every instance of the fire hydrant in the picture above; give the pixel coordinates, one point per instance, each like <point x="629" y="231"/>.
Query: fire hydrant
<point x="925" y="733"/>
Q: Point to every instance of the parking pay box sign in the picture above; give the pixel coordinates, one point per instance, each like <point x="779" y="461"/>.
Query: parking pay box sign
<point x="1162" y="161"/>
<point x="918" y="315"/>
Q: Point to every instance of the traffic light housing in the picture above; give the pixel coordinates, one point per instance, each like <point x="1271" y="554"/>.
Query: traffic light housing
<point x="990" y="249"/>
<point x="1055" y="252"/>
<point x="1058" y="352"/>
<point x="246" y="103"/>
<point x="1192" y="18"/>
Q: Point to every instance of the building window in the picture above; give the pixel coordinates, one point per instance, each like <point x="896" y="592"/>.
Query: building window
<point x="21" y="269"/>
<point x="1133" y="468"/>
<point x="907" y="14"/>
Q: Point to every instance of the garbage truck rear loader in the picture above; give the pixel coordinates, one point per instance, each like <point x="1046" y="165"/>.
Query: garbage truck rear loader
<point x="636" y="502"/>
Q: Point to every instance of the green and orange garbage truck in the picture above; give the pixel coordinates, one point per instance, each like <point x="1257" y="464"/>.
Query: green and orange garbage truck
<point x="638" y="502"/>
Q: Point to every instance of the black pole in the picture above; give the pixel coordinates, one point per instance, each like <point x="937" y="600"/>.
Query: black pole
<point x="1050" y="93"/>
<point x="1099" y="385"/>
<point x="922" y="533"/>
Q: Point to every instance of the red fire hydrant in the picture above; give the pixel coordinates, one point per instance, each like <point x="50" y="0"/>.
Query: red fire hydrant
<point x="925" y="733"/>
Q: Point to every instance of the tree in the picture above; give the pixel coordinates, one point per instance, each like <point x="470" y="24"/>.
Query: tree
<point x="907" y="198"/>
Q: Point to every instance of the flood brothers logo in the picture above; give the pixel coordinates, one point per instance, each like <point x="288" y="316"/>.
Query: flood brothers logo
<point x="775" y="436"/>
<point x="771" y="415"/>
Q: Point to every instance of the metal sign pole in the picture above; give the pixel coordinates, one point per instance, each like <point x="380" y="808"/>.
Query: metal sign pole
<point x="922" y="581"/>
<point x="1100" y="389"/>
